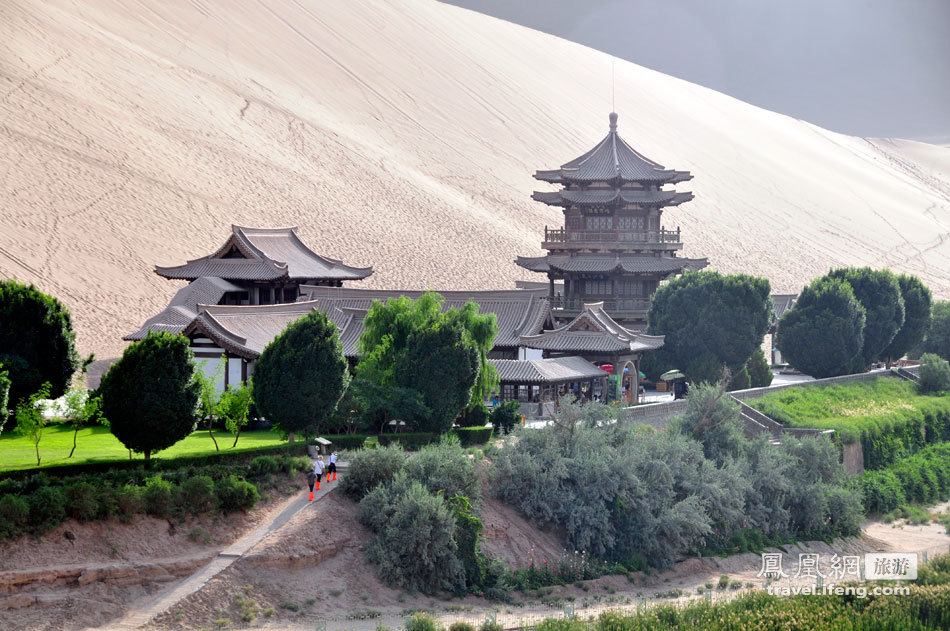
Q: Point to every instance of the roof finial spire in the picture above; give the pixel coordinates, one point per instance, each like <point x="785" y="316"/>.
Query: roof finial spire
<point x="613" y="121"/>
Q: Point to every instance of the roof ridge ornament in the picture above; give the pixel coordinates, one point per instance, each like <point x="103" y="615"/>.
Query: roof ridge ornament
<point x="613" y="121"/>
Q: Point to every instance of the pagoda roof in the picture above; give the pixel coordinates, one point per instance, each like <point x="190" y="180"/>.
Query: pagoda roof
<point x="593" y="331"/>
<point x="554" y="370"/>
<point x="603" y="264"/>
<point x="246" y="329"/>
<point x="518" y="311"/>
<point x="183" y="308"/>
<point x="611" y="159"/>
<point x="782" y="303"/>
<point x="265" y="254"/>
<point x="601" y="197"/>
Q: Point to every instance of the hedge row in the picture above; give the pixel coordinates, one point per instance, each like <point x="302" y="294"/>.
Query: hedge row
<point x="922" y="478"/>
<point x="40" y="503"/>
<point x="217" y="458"/>
<point x="889" y="417"/>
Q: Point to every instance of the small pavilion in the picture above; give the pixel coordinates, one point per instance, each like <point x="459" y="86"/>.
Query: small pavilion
<point x="542" y="380"/>
<point x="598" y="338"/>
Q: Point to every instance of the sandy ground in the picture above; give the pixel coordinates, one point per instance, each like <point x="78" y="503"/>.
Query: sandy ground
<point x="116" y="564"/>
<point x="398" y="134"/>
<point x="313" y="572"/>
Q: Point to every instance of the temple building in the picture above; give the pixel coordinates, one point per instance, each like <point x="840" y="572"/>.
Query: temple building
<point x="254" y="266"/>
<point x="613" y="248"/>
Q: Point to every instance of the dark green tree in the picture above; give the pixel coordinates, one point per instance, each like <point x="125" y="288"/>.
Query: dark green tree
<point x="301" y="376"/>
<point x="880" y="294"/>
<point x="917" y="304"/>
<point x="824" y="332"/>
<point x="760" y="375"/>
<point x="438" y="365"/>
<point x="937" y="339"/>
<point x="711" y="320"/>
<point x="37" y="343"/>
<point x="150" y="396"/>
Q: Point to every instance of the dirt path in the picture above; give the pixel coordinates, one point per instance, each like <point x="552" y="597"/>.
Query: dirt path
<point x="161" y="602"/>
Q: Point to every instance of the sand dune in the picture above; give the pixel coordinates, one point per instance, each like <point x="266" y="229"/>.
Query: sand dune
<point x="399" y="133"/>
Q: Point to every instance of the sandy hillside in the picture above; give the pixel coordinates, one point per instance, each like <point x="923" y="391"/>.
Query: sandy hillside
<point x="401" y="134"/>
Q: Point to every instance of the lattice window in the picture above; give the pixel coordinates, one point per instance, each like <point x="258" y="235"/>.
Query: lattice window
<point x="599" y="222"/>
<point x="597" y="288"/>
<point x="627" y="222"/>
<point x="631" y="288"/>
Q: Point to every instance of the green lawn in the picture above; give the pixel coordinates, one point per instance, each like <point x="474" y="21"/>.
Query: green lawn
<point x="854" y="408"/>
<point x="97" y="444"/>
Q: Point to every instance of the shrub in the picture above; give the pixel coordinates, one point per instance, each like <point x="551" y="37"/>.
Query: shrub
<point x="46" y="508"/>
<point x="82" y="501"/>
<point x="14" y="516"/>
<point x="159" y="496"/>
<point x="370" y="468"/>
<point x="504" y="417"/>
<point x="198" y="494"/>
<point x="129" y="502"/>
<point x="740" y="380"/>
<point x="491" y="625"/>
<point x="347" y="441"/>
<point x="473" y="416"/>
<point x="263" y="465"/>
<point x="416" y="548"/>
<point x="760" y="375"/>
<point x="408" y="440"/>
<point x="445" y="468"/>
<point x="934" y="373"/>
<point x="461" y="626"/>
<point x="470" y="436"/>
<point x="421" y="621"/>
<point x="235" y="493"/>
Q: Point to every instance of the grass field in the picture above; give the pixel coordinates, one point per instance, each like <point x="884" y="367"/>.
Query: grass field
<point x="850" y="408"/>
<point x="97" y="444"/>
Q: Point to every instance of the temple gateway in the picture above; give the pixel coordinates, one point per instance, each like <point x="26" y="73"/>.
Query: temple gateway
<point x="602" y="268"/>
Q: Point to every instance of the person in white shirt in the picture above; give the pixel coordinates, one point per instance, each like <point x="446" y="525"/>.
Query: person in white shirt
<point x="318" y="469"/>
<point x="331" y="467"/>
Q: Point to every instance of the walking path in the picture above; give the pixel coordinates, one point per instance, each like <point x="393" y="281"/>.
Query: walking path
<point x="167" y="598"/>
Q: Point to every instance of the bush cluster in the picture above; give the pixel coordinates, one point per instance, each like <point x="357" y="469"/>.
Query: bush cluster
<point x="422" y="511"/>
<point x="923" y="478"/>
<point x="39" y="503"/>
<point x="934" y="373"/>
<point x="923" y="609"/>
<point x="625" y="493"/>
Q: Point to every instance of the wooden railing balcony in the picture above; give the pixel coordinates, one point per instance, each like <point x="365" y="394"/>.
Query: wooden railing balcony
<point x="616" y="305"/>
<point x="562" y="235"/>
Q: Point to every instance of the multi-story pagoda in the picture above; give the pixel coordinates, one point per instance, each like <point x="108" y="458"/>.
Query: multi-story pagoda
<point x="613" y="247"/>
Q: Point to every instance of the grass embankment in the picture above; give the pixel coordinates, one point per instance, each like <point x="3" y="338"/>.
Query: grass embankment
<point x="888" y="416"/>
<point x="97" y="444"/>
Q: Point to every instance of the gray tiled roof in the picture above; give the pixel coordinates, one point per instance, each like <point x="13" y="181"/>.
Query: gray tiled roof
<point x="593" y="263"/>
<point x="593" y="330"/>
<point x="602" y="197"/>
<point x="519" y="311"/>
<point x="559" y="370"/>
<point x="610" y="159"/>
<point x="270" y="253"/>
<point x="782" y="303"/>
<point x="184" y="306"/>
<point x="245" y="330"/>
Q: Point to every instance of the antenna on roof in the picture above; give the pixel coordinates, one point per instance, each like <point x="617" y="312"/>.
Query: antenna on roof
<point x="613" y="86"/>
